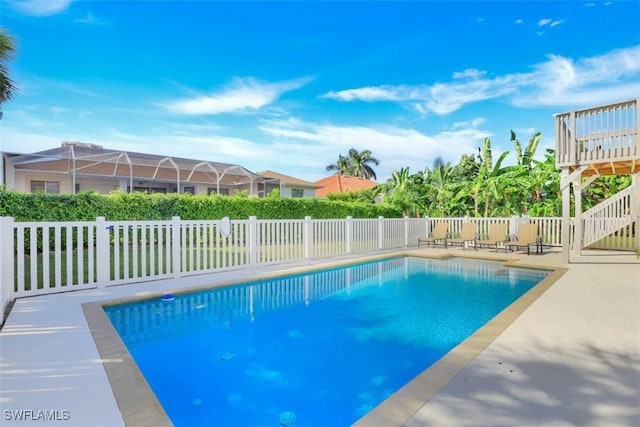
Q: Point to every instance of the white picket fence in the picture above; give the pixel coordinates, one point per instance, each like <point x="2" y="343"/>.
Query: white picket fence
<point x="49" y="257"/>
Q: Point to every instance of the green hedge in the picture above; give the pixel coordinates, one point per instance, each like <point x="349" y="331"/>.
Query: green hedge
<point x="141" y="206"/>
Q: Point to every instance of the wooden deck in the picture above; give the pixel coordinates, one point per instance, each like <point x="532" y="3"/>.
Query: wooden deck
<point x="604" y="140"/>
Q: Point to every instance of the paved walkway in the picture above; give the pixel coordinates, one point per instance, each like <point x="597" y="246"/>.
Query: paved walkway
<point x="571" y="359"/>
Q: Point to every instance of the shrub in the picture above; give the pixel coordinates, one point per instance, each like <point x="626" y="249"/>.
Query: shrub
<point x="86" y="206"/>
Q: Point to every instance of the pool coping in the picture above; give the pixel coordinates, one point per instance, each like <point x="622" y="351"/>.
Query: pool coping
<point x="139" y="405"/>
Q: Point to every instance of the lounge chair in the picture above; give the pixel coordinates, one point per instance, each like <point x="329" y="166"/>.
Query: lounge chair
<point x="438" y="236"/>
<point x="467" y="234"/>
<point x="527" y="236"/>
<point x="497" y="235"/>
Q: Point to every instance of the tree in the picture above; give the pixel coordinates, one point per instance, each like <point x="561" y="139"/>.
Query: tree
<point x="361" y="161"/>
<point x="341" y="166"/>
<point x="398" y="191"/>
<point x="530" y="150"/>
<point x="440" y="179"/>
<point x="7" y="50"/>
<point x="356" y="163"/>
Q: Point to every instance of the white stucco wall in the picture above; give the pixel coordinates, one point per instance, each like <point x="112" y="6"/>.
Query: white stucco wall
<point x="285" y="191"/>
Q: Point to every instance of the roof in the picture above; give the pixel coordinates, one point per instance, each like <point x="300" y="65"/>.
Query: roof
<point x="91" y="159"/>
<point x="288" y="180"/>
<point x="341" y="184"/>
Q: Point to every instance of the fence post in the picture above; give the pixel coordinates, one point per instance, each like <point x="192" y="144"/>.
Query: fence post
<point x="103" y="253"/>
<point x="381" y="232"/>
<point x="253" y="240"/>
<point x="513" y="227"/>
<point x="406" y="231"/>
<point x="176" y="245"/>
<point x="308" y="237"/>
<point x="6" y="262"/>
<point x="348" y="229"/>
<point x="635" y="206"/>
<point x="427" y="226"/>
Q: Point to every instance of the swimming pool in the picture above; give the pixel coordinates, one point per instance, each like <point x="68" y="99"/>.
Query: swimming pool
<point x="321" y="348"/>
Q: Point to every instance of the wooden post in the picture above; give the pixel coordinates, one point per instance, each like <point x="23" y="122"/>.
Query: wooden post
<point x="565" y="185"/>
<point x="579" y="225"/>
<point x="406" y="231"/>
<point x="348" y="230"/>
<point x="253" y="241"/>
<point x="176" y="246"/>
<point x="308" y="237"/>
<point x="103" y="253"/>
<point x="635" y="206"/>
<point x="6" y="263"/>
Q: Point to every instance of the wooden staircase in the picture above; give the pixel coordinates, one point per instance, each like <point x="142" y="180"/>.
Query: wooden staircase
<point x="610" y="216"/>
<point x="593" y="142"/>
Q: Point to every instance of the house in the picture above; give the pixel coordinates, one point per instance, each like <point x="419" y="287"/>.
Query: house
<point x="290" y="186"/>
<point x="341" y="184"/>
<point x="76" y="166"/>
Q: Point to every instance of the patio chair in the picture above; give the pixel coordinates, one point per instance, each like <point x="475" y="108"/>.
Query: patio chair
<point x="438" y="236"/>
<point x="497" y="235"/>
<point x="467" y="234"/>
<point x="527" y="236"/>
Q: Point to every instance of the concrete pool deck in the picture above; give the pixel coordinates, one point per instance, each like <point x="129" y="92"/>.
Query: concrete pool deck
<point x="571" y="358"/>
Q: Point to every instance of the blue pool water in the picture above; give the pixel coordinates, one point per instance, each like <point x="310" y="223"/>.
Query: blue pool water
<point x="316" y="349"/>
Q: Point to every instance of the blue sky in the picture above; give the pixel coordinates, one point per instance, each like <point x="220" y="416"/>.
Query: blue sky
<point x="288" y="86"/>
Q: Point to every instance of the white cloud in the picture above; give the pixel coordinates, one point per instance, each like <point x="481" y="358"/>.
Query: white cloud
<point x="89" y="19"/>
<point x="396" y="147"/>
<point x="380" y="93"/>
<point x="595" y="80"/>
<point x="39" y="7"/>
<point x="550" y="22"/>
<point x="474" y="123"/>
<point x="291" y="146"/>
<point x="58" y="110"/>
<point x="558" y="81"/>
<point x="469" y="73"/>
<point x="243" y="94"/>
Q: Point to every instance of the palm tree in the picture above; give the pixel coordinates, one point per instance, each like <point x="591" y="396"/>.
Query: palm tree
<point x="398" y="192"/>
<point x="356" y="163"/>
<point x="360" y="163"/>
<point x="442" y="184"/>
<point x="341" y="166"/>
<point x="7" y="50"/>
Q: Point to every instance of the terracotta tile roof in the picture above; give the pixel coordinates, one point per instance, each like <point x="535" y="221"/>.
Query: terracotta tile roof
<point x="288" y="180"/>
<point x="341" y="184"/>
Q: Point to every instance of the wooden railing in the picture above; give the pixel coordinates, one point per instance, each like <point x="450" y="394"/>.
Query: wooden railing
<point x="608" y="217"/>
<point x="601" y="134"/>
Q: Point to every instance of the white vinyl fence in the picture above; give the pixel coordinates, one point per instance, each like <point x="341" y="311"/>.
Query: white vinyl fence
<point x="49" y="257"/>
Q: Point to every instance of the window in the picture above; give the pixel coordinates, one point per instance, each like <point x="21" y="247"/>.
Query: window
<point x="191" y="190"/>
<point x="223" y="191"/>
<point x="297" y="192"/>
<point x="149" y="190"/>
<point x="49" y="187"/>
